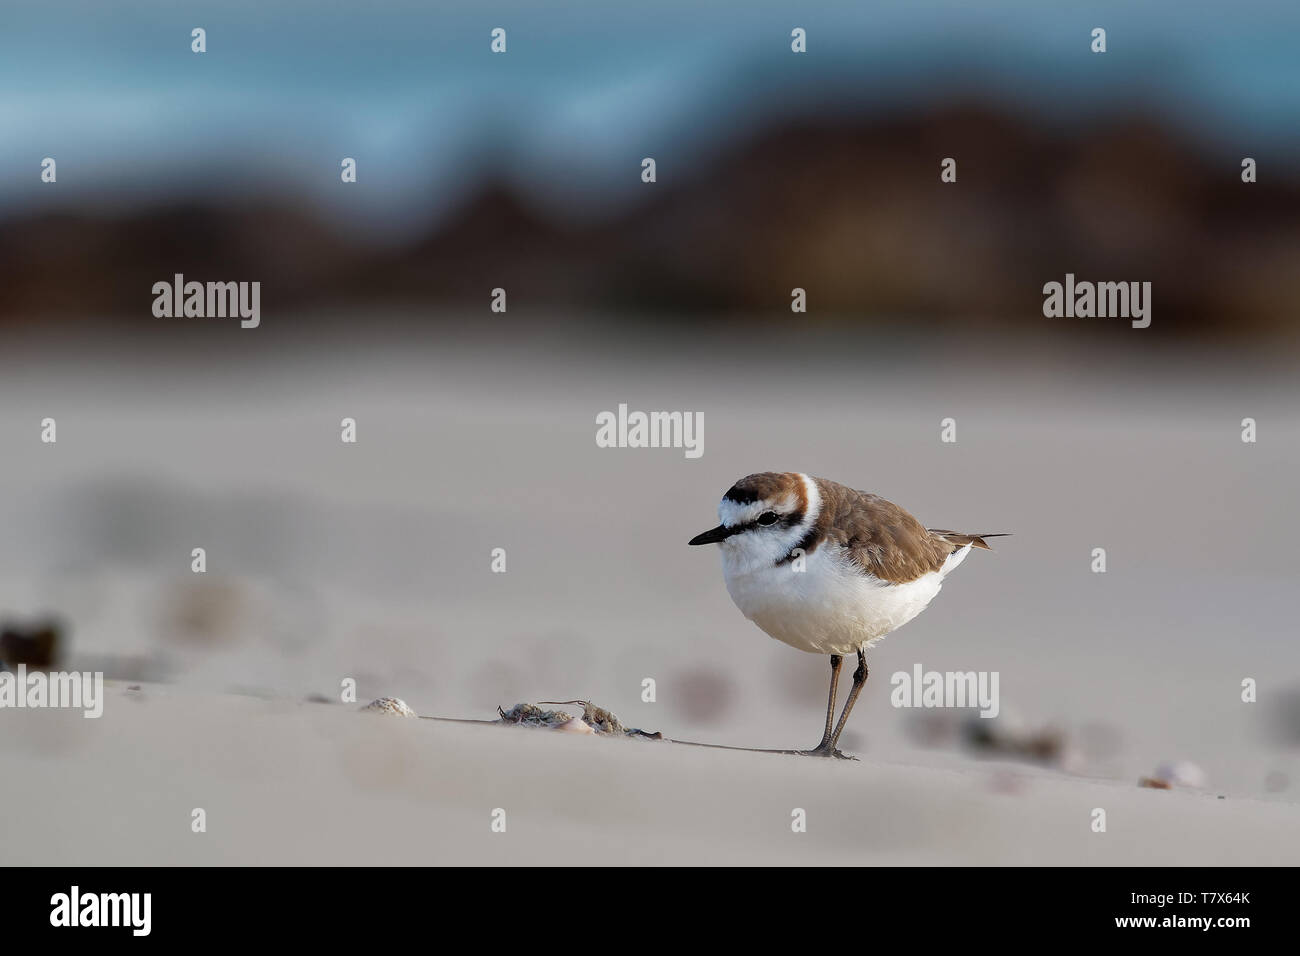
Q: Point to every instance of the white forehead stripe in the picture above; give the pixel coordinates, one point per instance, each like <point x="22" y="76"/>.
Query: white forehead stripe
<point x="814" y="496"/>
<point x="733" y="513"/>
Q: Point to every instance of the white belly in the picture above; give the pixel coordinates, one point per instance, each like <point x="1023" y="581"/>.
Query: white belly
<point x="831" y="607"/>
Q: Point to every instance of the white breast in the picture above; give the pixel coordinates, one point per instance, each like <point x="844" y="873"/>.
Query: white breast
<point x="830" y="607"/>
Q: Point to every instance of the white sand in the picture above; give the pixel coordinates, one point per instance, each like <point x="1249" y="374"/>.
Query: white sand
<point x="373" y="562"/>
<point x="320" y="784"/>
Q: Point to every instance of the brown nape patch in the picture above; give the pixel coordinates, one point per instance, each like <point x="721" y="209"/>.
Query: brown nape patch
<point x="879" y="536"/>
<point x="767" y="485"/>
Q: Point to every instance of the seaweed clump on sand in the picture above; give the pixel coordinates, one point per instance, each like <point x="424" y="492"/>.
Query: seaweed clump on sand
<point x="530" y="715"/>
<point x="594" y="719"/>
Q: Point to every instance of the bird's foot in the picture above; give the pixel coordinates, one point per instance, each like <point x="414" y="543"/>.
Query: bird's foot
<point x="824" y="750"/>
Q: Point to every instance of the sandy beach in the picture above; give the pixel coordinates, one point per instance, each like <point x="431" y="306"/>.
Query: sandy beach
<point x="318" y="785"/>
<point x="373" y="562"/>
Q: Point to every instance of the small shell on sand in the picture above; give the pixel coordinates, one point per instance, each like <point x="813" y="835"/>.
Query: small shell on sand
<point x="390" y="705"/>
<point x="1181" y="774"/>
<point x="575" y="726"/>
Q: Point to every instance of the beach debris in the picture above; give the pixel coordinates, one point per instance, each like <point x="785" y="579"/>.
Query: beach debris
<point x="598" y="720"/>
<point x="35" y="644"/>
<point x="393" y="706"/>
<point x="575" y="726"/>
<point x="603" y="721"/>
<point x="1007" y="736"/>
<point x="1181" y="774"/>
<point x="530" y="715"/>
<point x="1010" y="737"/>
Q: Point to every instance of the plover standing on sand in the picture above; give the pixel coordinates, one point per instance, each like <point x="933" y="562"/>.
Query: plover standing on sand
<point x="829" y="570"/>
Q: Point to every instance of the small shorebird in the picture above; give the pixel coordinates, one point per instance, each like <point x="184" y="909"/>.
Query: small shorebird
<point x="829" y="570"/>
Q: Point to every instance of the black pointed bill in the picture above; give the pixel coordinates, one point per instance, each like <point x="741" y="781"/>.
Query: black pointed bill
<point x="714" y="535"/>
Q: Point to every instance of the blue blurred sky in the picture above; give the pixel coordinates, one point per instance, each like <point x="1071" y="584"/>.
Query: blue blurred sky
<point x="112" y="91"/>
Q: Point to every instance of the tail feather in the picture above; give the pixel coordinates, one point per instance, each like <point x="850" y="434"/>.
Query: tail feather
<point x="957" y="539"/>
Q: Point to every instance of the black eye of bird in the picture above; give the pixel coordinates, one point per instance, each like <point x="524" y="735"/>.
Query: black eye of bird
<point x="767" y="517"/>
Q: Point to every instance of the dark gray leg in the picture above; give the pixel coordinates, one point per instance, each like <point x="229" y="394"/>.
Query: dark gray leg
<point x="836" y="661"/>
<point x="859" y="679"/>
<point x="827" y="747"/>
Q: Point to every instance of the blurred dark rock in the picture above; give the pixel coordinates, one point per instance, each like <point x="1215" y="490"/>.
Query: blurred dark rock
<point x="996" y="737"/>
<point x="36" y="644"/>
<point x="855" y="213"/>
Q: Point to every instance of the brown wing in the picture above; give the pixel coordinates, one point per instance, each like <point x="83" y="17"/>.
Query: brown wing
<point x="882" y="538"/>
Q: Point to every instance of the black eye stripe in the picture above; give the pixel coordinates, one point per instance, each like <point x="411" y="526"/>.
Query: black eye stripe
<point x="785" y="521"/>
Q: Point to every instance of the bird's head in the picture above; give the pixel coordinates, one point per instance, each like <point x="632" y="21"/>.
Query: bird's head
<point x="764" y="516"/>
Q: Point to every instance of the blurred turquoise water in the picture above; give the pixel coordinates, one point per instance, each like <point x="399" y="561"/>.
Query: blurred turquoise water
<point x="584" y="91"/>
